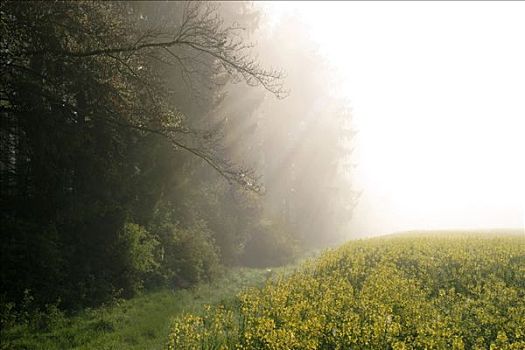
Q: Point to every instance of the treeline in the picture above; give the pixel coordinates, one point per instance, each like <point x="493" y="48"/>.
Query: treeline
<point x="136" y="154"/>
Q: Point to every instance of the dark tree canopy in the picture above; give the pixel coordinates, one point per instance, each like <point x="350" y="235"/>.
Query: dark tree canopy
<point x="91" y="129"/>
<point x="117" y="57"/>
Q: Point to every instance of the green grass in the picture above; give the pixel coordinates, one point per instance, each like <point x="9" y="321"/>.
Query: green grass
<point x="139" y="323"/>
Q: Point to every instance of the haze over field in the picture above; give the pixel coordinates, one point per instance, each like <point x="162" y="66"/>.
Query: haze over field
<point x="437" y="97"/>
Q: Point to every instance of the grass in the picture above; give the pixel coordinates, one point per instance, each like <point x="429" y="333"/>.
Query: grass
<point x="139" y="323"/>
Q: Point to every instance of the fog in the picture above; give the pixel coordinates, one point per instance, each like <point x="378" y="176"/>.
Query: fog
<point x="436" y="95"/>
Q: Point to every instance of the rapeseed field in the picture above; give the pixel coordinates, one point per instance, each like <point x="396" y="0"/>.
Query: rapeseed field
<point x="416" y="291"/>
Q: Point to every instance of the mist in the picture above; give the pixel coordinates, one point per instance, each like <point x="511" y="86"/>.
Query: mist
<point x="435" y="91"/>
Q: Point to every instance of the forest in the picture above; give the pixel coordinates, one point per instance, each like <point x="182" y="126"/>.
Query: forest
<point x="150" y="144"/>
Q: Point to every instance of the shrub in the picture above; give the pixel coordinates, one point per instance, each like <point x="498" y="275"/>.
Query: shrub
<point x="188" y="255"/>
<point x="134" y="252"/>
<point x="270" y="245"/>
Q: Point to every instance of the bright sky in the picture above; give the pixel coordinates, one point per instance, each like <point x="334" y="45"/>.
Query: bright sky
<point x="437" y="91"/>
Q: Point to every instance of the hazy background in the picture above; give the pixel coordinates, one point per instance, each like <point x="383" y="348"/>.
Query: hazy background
<point x="437" y="95"/>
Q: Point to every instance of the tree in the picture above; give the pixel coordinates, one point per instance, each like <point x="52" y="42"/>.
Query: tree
<point x="301" y="144"/>
<point x="134" y="96"/>
<point x="90" y="129"/>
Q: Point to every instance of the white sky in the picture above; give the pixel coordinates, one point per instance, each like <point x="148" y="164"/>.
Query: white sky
<point x="437" y="91"/>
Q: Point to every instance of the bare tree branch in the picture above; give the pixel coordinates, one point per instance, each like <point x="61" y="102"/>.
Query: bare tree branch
<point x="201" y="30"/>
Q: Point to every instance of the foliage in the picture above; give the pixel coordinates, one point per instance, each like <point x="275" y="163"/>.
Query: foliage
<point x="141" y="322"/>
<point x="188" y="255"/>
<point x="134" y="258"/>
<point x="413" y="292"/>
<point x="271" y="244"/>
<point x="96" y="109"/>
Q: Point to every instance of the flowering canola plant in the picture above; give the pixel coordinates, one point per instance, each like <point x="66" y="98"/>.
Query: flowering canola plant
<point x="399" y="292"/>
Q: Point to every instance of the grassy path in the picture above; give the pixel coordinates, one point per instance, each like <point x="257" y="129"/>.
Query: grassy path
<point x="139" y="323"/>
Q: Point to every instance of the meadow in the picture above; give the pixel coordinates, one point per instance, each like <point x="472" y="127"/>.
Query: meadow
<point x="140" y="323"/>
<point x="413" y="291"/>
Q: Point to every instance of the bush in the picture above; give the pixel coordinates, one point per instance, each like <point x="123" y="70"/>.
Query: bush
<point x="27" y="313"/>
<point x="188" y="255"/>
<point x="135" y="258"/>
<point x="270" y="245"/>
